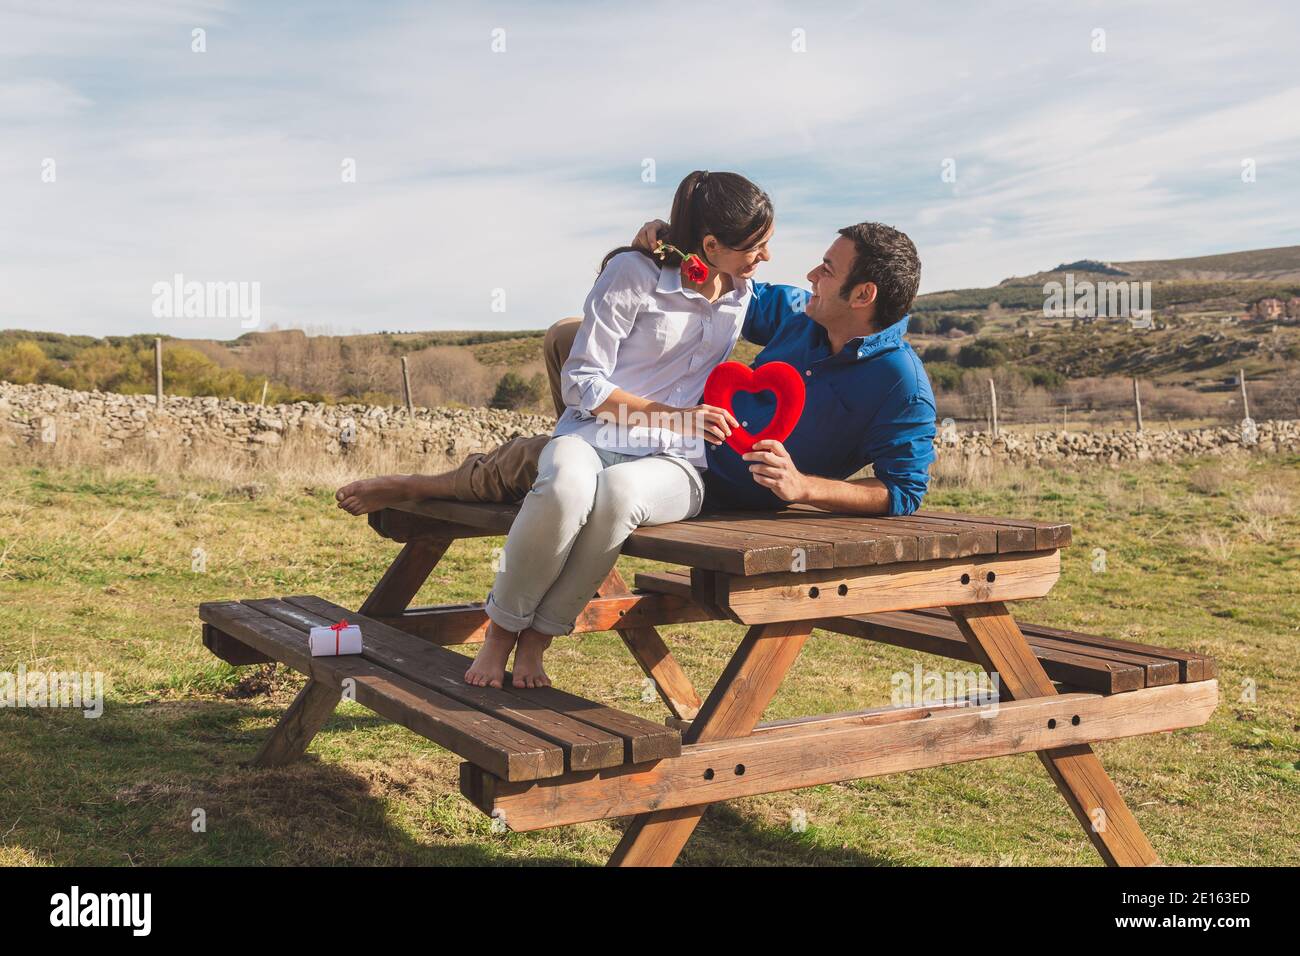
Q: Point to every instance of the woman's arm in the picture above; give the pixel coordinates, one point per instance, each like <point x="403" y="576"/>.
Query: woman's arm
<point x="711" y="422"/>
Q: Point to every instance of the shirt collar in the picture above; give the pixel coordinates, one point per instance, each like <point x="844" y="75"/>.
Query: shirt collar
<point x="865" y="346"/>
<point x="670" y="280"/>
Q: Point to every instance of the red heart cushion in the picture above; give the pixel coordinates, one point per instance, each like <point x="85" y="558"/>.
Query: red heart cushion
<point x="779" y="377"/>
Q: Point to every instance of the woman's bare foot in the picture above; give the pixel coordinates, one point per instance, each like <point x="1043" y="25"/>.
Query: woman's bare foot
<point x="489" y="667"/>
<point x="372" y="494"/>
<point x="528" y="660"/>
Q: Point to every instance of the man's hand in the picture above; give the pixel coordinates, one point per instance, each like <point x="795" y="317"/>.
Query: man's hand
<point x="773" y="468"/>
<point x="649" y="235"/>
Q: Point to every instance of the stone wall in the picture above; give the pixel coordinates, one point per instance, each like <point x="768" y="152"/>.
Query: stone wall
<point x="35" y="414"/>
<point x="46" y="413"/>
<point x="1163" y="444"/>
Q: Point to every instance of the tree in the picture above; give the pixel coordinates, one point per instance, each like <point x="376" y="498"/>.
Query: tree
<point x="23" y="363"/>
<point x="980" y="355"/>
<point x="514" y="393"/>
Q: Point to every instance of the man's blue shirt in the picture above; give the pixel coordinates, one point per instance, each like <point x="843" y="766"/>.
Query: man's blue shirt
<point x="870" y="403"/>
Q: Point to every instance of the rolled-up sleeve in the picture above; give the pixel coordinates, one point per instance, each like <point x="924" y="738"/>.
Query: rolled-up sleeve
<point x="900" y="447"/>
<point x="607" y="318"/>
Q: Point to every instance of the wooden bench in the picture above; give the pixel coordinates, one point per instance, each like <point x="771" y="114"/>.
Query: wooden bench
<point x="513" y="734"/>
<point x="931" y="582"/>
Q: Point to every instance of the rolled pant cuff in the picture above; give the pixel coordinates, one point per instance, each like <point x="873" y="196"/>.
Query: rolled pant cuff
<point x="503" y="618"/>
<point x="542" y="626"/>
<point x="463" y="479"/>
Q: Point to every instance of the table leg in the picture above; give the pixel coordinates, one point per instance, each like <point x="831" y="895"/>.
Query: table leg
<point x="1092" y="796"/>
<point x="299" y="724"/>
<point x="656" y="660"/>
<point x="405" y="576"/>
<point x="735" y="704"/>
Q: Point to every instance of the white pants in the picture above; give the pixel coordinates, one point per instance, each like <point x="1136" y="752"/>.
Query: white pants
<point x="573" y="523"/>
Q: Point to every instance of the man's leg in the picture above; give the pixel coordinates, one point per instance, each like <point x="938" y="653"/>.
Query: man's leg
<point x="556" y="347"/>
<point x="503" y="474"/>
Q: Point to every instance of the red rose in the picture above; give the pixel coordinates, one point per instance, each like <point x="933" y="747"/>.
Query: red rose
<point x="694" y="269"/>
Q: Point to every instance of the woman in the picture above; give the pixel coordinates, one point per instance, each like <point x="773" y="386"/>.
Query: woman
<point x="628" y="449"/>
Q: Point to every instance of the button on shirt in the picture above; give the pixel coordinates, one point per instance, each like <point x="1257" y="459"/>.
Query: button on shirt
<point x="869" y="403"/>
<point x="644" y="333"/>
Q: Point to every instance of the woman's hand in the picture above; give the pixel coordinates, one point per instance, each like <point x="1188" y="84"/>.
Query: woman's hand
<point x="712" y="423"/>
<point x="649" y="235"/>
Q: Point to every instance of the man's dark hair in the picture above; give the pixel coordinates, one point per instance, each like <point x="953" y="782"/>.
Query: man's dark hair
<point x="888" y="258"/>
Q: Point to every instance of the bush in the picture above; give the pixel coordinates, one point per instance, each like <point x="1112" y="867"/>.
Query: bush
<point x="936" y="353"/>
<point x="944" y="376"/>
<point x="514" y="392"/>
<point x="967" y="323"/>
<point x="980" y="355"/>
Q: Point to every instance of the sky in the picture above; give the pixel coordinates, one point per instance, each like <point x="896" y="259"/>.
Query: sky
<point x="416" y="166"/>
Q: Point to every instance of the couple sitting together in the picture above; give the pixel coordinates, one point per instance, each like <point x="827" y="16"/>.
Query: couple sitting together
<point x="633" y="445"/>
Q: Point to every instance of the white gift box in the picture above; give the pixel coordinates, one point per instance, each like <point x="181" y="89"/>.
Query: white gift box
<point x="332" y="642"/>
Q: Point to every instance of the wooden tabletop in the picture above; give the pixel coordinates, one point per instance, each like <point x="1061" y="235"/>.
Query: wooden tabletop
<point x="759" y="542"/>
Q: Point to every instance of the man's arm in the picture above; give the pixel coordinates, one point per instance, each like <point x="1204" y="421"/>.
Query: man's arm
<point x="768" y="306"/>
<point x="773" y="468"/>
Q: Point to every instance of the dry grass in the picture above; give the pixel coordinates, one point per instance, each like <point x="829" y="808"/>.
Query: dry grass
<point x="294" y="464"/>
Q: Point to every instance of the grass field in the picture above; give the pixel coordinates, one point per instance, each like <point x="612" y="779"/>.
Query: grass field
<point x="97" y="574"/>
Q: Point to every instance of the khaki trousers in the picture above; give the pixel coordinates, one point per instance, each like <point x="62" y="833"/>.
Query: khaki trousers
<point x="507" y="472"/>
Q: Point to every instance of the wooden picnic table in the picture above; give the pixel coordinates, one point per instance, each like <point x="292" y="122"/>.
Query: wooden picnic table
<point x="934" y="582"/>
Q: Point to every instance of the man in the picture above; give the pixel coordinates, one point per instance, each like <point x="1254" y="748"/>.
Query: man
<point x="868" y="400"/>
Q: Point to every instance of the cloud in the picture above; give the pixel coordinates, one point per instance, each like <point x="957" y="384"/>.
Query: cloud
<point x="478" y="171"/>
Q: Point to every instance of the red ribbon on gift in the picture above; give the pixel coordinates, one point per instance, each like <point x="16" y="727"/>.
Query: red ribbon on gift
<point x="338" y="635"/>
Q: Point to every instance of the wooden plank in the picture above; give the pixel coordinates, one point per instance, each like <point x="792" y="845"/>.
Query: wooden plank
<point x="652" y="655"/>
<point x="677" y="543"/>
<point x="1156" y="670"/>
<point x="1075" y="769"/>
<point x="734" y="706"/>
<point x="488" y="516"/>
<point x="714" y="549"/>
<point x="451" y="624"/>
<point x="1046" y="535"/>
<point x="860" y="541"/>
<point x="818" y="594"/>
<point x="592" y="734"/>
<point x="1191" y="665"/>
<point x="500" y="748"/>
<point x="971" y="538"/>
<point x="232" y="651"/>
<point x="677" y="583"/>
<point x="931" y="636"/>
<point x="824" y="545"/>
<point x="814" y="754"/>
<point x="299" y="724"/>
<point x="584" y="747"/>
<point x="403" y="526"/>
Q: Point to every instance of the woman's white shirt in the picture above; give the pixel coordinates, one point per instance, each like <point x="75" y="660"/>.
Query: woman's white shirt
<point x="644" y="333"/>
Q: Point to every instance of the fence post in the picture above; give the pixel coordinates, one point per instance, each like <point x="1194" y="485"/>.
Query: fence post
<point x="1137" y="402"/>
<point x="406" y="387"/>
<point x="1245" y="402"/>
<point x="157" y="372"/>
<point x="993" y="403"/>
<point x="265" y="383"/>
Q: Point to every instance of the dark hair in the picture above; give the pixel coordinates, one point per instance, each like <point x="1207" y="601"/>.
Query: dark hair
<point x="887" y="258"/>
<point x="724" y="205"/>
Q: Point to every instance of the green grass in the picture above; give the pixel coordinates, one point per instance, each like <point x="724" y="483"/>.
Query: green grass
<point x="96" y="574"/>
